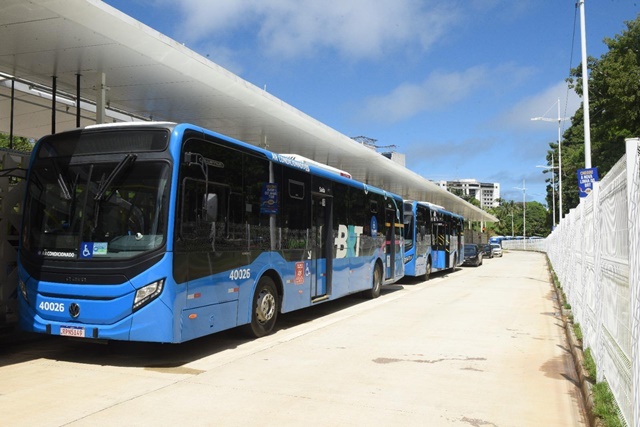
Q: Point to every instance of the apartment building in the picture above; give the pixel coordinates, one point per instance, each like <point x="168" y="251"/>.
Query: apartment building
<point x="487" y="193"/>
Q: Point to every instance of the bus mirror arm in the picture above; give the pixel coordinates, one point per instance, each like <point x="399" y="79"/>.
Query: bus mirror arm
<point x="198" y="160"/>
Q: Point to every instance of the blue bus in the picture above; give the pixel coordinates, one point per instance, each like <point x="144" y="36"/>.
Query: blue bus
<point x="497" y="239"/>
<point x="167" y="232"/>
<point x="500" y="239"/>
<point x="434" y="239"/>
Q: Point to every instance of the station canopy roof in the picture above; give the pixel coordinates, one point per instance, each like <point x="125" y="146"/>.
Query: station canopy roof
<point x="152" y="77"/>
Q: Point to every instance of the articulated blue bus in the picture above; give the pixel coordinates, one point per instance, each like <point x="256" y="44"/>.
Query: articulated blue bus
<point x="167" y="232"/>
<point x="434" y="239"/>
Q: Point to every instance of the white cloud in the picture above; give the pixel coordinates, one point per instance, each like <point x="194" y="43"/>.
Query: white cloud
<point x="440" y="90"/>
<point x="544" y="104"/>
<point x="355" y="29"/>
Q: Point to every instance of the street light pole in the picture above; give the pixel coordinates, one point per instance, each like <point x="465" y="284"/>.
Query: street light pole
<point x="559" y="120"/>
<point x="585" y="89"/>
<point x="553" y="190"/>
<point x="524" y="214"/>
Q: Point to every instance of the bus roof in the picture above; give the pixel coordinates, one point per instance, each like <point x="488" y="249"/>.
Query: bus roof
<point x="290" y="160"/>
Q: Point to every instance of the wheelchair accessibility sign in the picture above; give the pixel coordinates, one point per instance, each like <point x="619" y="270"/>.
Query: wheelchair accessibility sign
<point x="91" y="249"/>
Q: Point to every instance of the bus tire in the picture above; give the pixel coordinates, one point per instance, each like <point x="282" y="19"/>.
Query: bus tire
<point x="376" y="285"/>
<point x="427" y="273"/>
<point x="264" y="308"/>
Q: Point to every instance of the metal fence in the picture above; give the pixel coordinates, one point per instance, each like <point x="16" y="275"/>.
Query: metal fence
<point x="594" y="252"/>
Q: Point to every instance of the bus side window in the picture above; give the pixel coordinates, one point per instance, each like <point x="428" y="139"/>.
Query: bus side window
<point x="294" y="215"/>
<point x="191" y="209"/>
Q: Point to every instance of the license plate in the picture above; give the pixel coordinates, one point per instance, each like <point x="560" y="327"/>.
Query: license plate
<point x="72" y="331"/>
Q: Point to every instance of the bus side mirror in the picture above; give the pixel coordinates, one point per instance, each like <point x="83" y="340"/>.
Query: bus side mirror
<point x="211" y="206"/>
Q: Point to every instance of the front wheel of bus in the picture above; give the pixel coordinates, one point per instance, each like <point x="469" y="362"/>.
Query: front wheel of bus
<point x="264" y="308"/>
<point x="376" y="286"/>
<point x="427" y="273"/>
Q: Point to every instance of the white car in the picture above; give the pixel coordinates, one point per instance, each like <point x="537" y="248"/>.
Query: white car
<point x="496" y="249"/>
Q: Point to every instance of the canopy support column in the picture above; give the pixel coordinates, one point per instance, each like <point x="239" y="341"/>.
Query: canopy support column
<point x="54" y="89"/>
<point x="13" y="97"/>
<point x="101" y="98"/>
<point x="77" y="100"/>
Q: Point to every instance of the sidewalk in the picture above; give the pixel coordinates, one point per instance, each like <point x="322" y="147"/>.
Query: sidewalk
<point x="478" y="347"/>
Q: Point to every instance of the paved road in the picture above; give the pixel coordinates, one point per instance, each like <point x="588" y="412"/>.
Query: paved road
<point x="478" y="347"/>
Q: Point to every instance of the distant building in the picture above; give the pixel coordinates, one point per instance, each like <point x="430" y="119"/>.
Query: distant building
<point x="399" y="158"/>
<point x="487" y="193"/>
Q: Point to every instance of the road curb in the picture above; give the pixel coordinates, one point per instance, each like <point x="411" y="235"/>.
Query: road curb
<point x="575" y="347"/>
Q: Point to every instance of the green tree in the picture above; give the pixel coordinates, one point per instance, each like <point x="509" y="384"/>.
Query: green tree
<point x="19" y="143"/>
<point x="536" y="217"/>
<point x="552" y="181"/>
<point x="511" y="216"/>
<point x="467" y="198"/>
<point x="614" y="110"/>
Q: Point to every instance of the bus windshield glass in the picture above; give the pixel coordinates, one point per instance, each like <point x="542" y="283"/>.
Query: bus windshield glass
<point x="95" y="209"/>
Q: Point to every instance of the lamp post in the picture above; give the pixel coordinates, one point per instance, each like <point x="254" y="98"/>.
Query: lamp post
<point x="553" y="188"/>
<point x="512" y="232"/>
<point x="559" y="120"/>
<point x="585" y="89"/>
<point x="524" y="214"/>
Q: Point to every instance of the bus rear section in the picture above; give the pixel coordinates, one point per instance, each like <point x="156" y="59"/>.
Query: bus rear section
<point x="433" y="239"/>
<point x="164" y="232"/>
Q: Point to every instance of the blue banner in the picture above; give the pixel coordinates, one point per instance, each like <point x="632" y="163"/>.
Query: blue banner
<point x="269" y="199"/>
<point x="586" y="178"/>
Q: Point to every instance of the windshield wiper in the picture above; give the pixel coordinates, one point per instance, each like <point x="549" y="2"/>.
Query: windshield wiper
<point x="126" y="161"/>
<point x="66" y="194"/>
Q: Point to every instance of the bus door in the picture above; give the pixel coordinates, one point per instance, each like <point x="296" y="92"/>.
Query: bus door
<point x="390" y="243"/>
<point x="439" y="245"/>
<point x="322" y="246"/>
<point x="447" y="244"/>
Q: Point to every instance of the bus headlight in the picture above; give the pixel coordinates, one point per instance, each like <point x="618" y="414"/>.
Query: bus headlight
<point x="23" y="290"/>
<point x="148" y="293"/>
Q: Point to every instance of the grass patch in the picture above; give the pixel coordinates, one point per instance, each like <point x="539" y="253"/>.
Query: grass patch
<point x="577" y="331"/>
<point x="556" y="283"/>
<point x="604" y="405"/>
<point x="590" y="365"/>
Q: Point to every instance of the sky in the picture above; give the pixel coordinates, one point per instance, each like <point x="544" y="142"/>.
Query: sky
<point x="453" y="84"/>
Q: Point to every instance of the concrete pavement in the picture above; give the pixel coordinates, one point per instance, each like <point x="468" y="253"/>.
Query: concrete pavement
<point x="477" y="347"/>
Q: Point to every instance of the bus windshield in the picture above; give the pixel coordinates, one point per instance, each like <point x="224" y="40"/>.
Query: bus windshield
<point x="81" y="210"/>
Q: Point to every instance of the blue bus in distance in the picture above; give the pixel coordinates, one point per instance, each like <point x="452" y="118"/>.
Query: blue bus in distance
<point x="168" y="232"/>
<point x="434" y="239"/>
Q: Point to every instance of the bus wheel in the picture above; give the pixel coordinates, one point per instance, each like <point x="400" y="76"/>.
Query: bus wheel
<point x="376" y="286"/>
<point x="428" y="272"/>
<point x="264" y="308"/>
